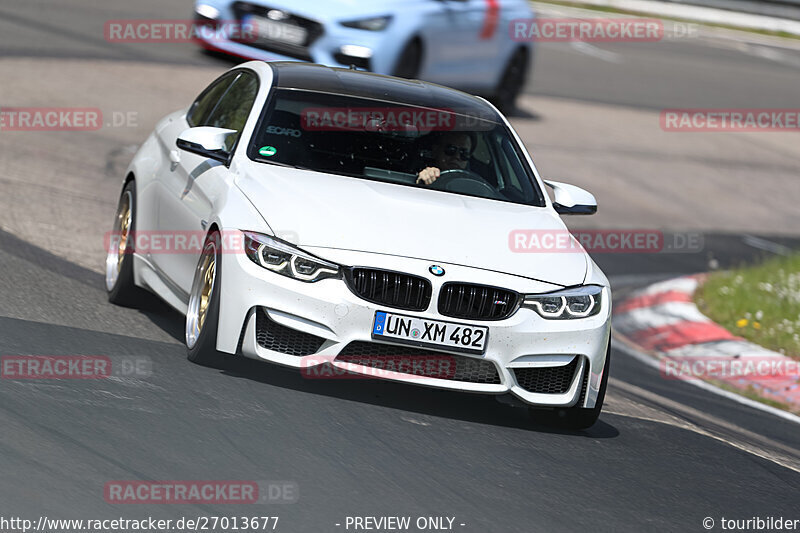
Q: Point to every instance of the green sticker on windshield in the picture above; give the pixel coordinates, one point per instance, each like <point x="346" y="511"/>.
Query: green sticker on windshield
<point x="268" y="151"/>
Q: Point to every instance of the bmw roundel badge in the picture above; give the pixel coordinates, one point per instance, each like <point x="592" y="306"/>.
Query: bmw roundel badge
<point x="436" y="270"/>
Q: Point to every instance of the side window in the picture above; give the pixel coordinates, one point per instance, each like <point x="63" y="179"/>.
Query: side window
<point x="517" y="185"/>
<point x="204" y="105"/>
<point x="507" y="169"/>
<point x="234" y="107"/>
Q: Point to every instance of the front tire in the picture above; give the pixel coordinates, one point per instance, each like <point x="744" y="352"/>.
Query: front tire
<point x="410" y="61"/>
<point x="511" y="82"/>
<point x="577" y="417"/>
<point x="202" y="316"/>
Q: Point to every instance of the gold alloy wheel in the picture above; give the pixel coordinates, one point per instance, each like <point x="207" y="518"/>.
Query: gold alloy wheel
<point x="209" y="267"/>
<point x="118" y="245"/>
<point x="202" y="293"/>
<point x="124" y="230"/>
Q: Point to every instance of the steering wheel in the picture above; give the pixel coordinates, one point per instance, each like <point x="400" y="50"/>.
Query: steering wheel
<point x="465" y="182"/>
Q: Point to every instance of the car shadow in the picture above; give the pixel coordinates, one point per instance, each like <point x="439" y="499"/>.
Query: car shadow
<point x="161" y="315"/>
<point x="526" y="114"/>
<point x="478" y="408"/>
<point x="456" y="405"/>
<point x="469" y="407"/>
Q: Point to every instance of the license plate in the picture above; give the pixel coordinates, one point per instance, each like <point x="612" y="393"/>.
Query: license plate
<point x="270" y="30"/>
<point x="435" y="333"/>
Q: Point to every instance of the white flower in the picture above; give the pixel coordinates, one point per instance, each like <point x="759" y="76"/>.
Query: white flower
<point x="759" y="314"/>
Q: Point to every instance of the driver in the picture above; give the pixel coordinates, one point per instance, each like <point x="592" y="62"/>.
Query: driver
<point x="451" y="151"/>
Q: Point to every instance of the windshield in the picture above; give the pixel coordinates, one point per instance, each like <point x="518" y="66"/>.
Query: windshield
<point x="440" y="149"/>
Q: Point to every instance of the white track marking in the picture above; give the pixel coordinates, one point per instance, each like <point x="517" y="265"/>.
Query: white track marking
<point x="599" y="53"/>
<point x="685" y="284"/>
<point x="726" y="350"/>
<point x="658" y="316"/>
<point x="768" y="246"/>
<point x="623" y="280"/>
<point x="772" y="54"/>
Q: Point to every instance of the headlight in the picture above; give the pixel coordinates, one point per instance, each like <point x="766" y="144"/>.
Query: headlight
<point x="576" y="302"/>
<point x="207" y="12"/>
<point x="287" y="260"/>
<point x="370" y="24"/>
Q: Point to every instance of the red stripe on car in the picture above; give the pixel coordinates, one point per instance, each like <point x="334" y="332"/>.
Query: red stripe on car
<point x="491" y="20"/>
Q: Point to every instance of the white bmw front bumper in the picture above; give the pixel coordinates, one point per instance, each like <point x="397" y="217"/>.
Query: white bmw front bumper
<point x="264" y="315"/>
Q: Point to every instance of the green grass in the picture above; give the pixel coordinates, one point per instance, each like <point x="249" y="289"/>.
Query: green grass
<point x="751" y="393"/>
<point x="608" y="9"/>
<point x="760" y="303"/>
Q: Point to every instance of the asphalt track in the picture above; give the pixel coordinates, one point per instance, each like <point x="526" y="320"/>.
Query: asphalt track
<point x="664" y="455"/>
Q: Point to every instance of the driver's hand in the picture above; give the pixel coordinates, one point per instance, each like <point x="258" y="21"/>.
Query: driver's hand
<point x="428" y="175"/>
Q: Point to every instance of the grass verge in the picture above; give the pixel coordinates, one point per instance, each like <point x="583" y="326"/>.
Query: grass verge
<point x="759" y="303"/>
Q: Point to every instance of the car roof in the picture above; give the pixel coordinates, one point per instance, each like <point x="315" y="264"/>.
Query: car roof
<point x="356" y="83"/>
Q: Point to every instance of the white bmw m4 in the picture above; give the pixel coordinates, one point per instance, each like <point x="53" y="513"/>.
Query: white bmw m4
<point x="307" y="215"/>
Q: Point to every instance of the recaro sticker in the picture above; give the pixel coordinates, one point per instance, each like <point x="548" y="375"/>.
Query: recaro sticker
<point x="277" y="130"/>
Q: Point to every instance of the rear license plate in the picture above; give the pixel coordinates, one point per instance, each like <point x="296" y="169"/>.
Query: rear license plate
<point x="434" y="333"/>
<point x="270" y="30"/>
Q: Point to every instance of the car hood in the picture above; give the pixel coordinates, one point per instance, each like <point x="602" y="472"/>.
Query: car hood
<point x="336" y="9"/>
<point x="330" y="211"/>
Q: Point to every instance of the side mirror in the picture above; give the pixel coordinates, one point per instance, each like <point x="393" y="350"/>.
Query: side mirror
<point x="206" y="141"/>
<point x="572" y="200"/>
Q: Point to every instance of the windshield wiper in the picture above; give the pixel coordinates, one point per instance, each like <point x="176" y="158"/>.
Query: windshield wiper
<point x="278" y="163"/>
